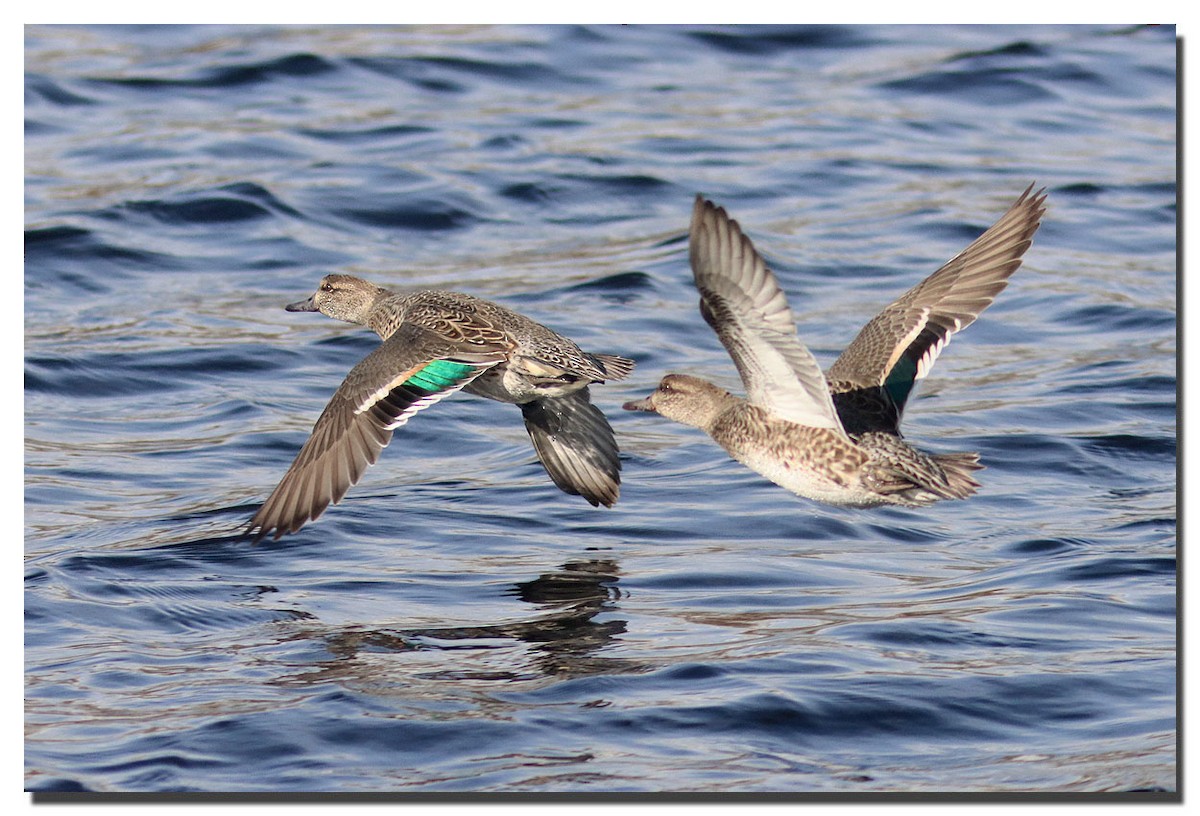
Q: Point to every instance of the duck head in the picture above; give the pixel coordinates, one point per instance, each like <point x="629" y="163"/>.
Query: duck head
<point x="342" y="297"/>
<point x="685" y="399"/>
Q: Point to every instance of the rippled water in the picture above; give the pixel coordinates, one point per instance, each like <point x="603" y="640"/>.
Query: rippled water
<point x="457" y="624"/>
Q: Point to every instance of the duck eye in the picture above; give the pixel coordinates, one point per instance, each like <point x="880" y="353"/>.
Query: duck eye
<point x="326" y="287"/>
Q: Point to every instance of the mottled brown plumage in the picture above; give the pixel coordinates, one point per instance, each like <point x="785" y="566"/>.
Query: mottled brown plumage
<point x="834" y="439"/>
<point x="436" y="343"/>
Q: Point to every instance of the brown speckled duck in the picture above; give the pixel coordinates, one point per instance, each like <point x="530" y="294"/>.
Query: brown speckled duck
<point x="834" y="437"/>
<point x="434" y="344"/>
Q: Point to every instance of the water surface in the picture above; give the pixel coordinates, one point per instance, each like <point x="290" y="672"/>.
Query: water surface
<point x="457" y="624"/>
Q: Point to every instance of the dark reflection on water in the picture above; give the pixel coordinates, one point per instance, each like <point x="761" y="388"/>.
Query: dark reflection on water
<point x="458" y="624"/>
<point x="564" y="638"/>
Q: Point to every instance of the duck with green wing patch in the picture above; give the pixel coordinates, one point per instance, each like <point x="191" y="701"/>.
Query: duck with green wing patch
<point x="834" y="437"/>
<point x="434" y="344"/>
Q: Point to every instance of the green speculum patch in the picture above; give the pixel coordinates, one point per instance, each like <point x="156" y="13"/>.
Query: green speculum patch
<point x="439" y="374"/>
<point x="900" y="381"/>
<point x="903" y="376"/>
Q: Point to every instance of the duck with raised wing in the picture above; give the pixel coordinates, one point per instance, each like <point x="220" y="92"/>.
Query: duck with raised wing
<point x="834" y="437"/>
<point x="434" y="344"/>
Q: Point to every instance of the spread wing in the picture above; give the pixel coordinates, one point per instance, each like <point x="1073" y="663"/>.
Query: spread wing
<point x="576" y="445"/>
<point x="900" y="344"/>
<point x="742" y="301"/>
<point x="408" y="372"/>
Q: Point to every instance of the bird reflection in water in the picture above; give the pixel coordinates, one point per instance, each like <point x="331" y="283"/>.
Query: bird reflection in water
<point x="564" y="639"/>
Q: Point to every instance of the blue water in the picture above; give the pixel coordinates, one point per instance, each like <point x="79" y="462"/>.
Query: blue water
<point x="458" y="624"/>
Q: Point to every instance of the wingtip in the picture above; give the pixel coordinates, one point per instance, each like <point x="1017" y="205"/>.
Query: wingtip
<point x="712" y="227"/>
<point x="699" y="207"/>
<point x="705" y="208"/>
<point x="271" y="523"/>
<point x="256" y="532"/>
<point x="1035" y="200"/>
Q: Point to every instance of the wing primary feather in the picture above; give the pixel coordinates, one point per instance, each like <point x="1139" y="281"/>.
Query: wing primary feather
<point x="900" y="344"/>
<point x="358" y="423"/>
<point x="744" y="304"/>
